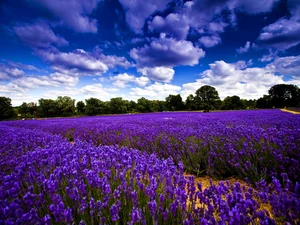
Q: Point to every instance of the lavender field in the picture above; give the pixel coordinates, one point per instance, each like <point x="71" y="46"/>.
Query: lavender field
<point x="132" y="169"/>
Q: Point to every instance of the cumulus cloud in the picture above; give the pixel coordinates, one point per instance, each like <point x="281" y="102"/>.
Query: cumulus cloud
<point x="269" y="57"/>
<point x="121" y="80"/>
<point x="22" y="66"/>
<point x="53" y="80"/>
<point x="98" y="91"/>
<point x="39" y="35"/>
<point x="162" y="74"/>
<point x="202" y="12"/>
<point x="11" y="88"/>
<point x="8" y="72"/>
<point x="210" y="41"/>
<point x="30" y="82"/>
<point x="72" y="13"/>
<point x="289" y="65"/>
<point x="139" y="10"/>
<point x="216" y="27"/>
<point x="244" y="49"/>
<point x="284" y="33"/>
<point x="142" y="81"/>
<point x="17" y="94"/>
<point x="167" y="52"/>
<point x="110" y="60"/>
<point x="77" y="61"/>
<point x="157" y="91"/>
<point x="235" y="79"/>
<point x="205" y="16"/>
<point x="92" y="90"/>
<point x="174" y="24"/>
<point x="64" y="79"/>
<point x="81" y="62"/>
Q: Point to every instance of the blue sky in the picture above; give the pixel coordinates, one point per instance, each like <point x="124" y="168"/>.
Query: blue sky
<point x="134" y="49"/>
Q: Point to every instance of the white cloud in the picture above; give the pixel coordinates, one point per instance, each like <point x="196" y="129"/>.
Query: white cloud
<point x="98" y="91"/>
<point x="64" y="79"/>
<point x="139" y="10"/>
<point x="217" y="27"/>
<point x="234" y="79"/>
<point x="283" y="34"/>
<point x="269" y="57"/>
<point x="244" y="49"/>
<point x="22" y="66"/>
<point x="39" y="35"/>
<point x="11" y="88"/>
<point x="121" y="80"/>
<point x="8" y="73"/>
<point x="210" y="41"/>
<point x="167" y="52"/>
<point x="31" y="82"/>
<point x="17" y="94"/>
<point x="174" y="24"/>
<point x="162" y="74"/>
<point x="289" y="65"/>
<point x="82" y="63"/>
<point x="156" y="91"/>
<point x="142" y="81"/>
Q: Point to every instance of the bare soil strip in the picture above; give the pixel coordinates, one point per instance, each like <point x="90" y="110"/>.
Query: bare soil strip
<point x="290" y="111"/>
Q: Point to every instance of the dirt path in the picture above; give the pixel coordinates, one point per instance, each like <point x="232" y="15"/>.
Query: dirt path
<point x="290" y="111"/>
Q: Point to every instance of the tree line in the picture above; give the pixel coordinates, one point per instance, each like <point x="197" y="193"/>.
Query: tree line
<point x="206" y="98"/>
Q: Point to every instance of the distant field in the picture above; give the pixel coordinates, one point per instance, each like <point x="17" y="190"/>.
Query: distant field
<point x="132" y="169"/>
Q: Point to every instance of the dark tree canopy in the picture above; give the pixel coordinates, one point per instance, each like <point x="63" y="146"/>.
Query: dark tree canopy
<point x="284" y="95"/>
<point x="94" y="106"/>
<point x="174" y="102"/>
<point x="6" y="109"/>
<point x="65" y="105"/>
<point x="189" y="102"/>
<point x="80" y="107"/>
<point x="207" y="98"/>
<point x="264" y="102"/>
<point x="233" y="102"/>
<point x="144" y="105"/>
<point x="48" y="108"/>
<point x="118" y="105"/>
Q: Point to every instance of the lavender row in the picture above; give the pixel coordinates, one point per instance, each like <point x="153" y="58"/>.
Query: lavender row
<point x="46" y="180"/>
<point x="246" y="144"/>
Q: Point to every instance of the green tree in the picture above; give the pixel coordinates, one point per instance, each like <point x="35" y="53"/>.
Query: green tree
<point x="264" y="102"/>
<point x="232" y="102"/>
<point x="80" y="107"/>
<point x="6" y="109"/>
<point x="131" y="106"/>
<point x="94" y="106"/>
<point x="32" y="109"/>
<point x="24" y="109"/>
<point x="48" y="108"/>
<point x="174" y="102"/>
<point x="190" y="102"/>
<point x="207" y="98"/>
<point x="248" y="104"/>
<point x="65" y="106"/>
<point x="284" y="95"/>
<point x="117" y="106"/>
<point x="144" y="105"/>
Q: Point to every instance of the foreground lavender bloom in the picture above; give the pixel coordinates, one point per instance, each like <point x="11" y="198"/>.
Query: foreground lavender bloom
<point x="44" y="179"/>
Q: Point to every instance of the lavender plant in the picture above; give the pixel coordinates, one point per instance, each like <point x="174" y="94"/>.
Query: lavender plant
<point x="45" y="179"/>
